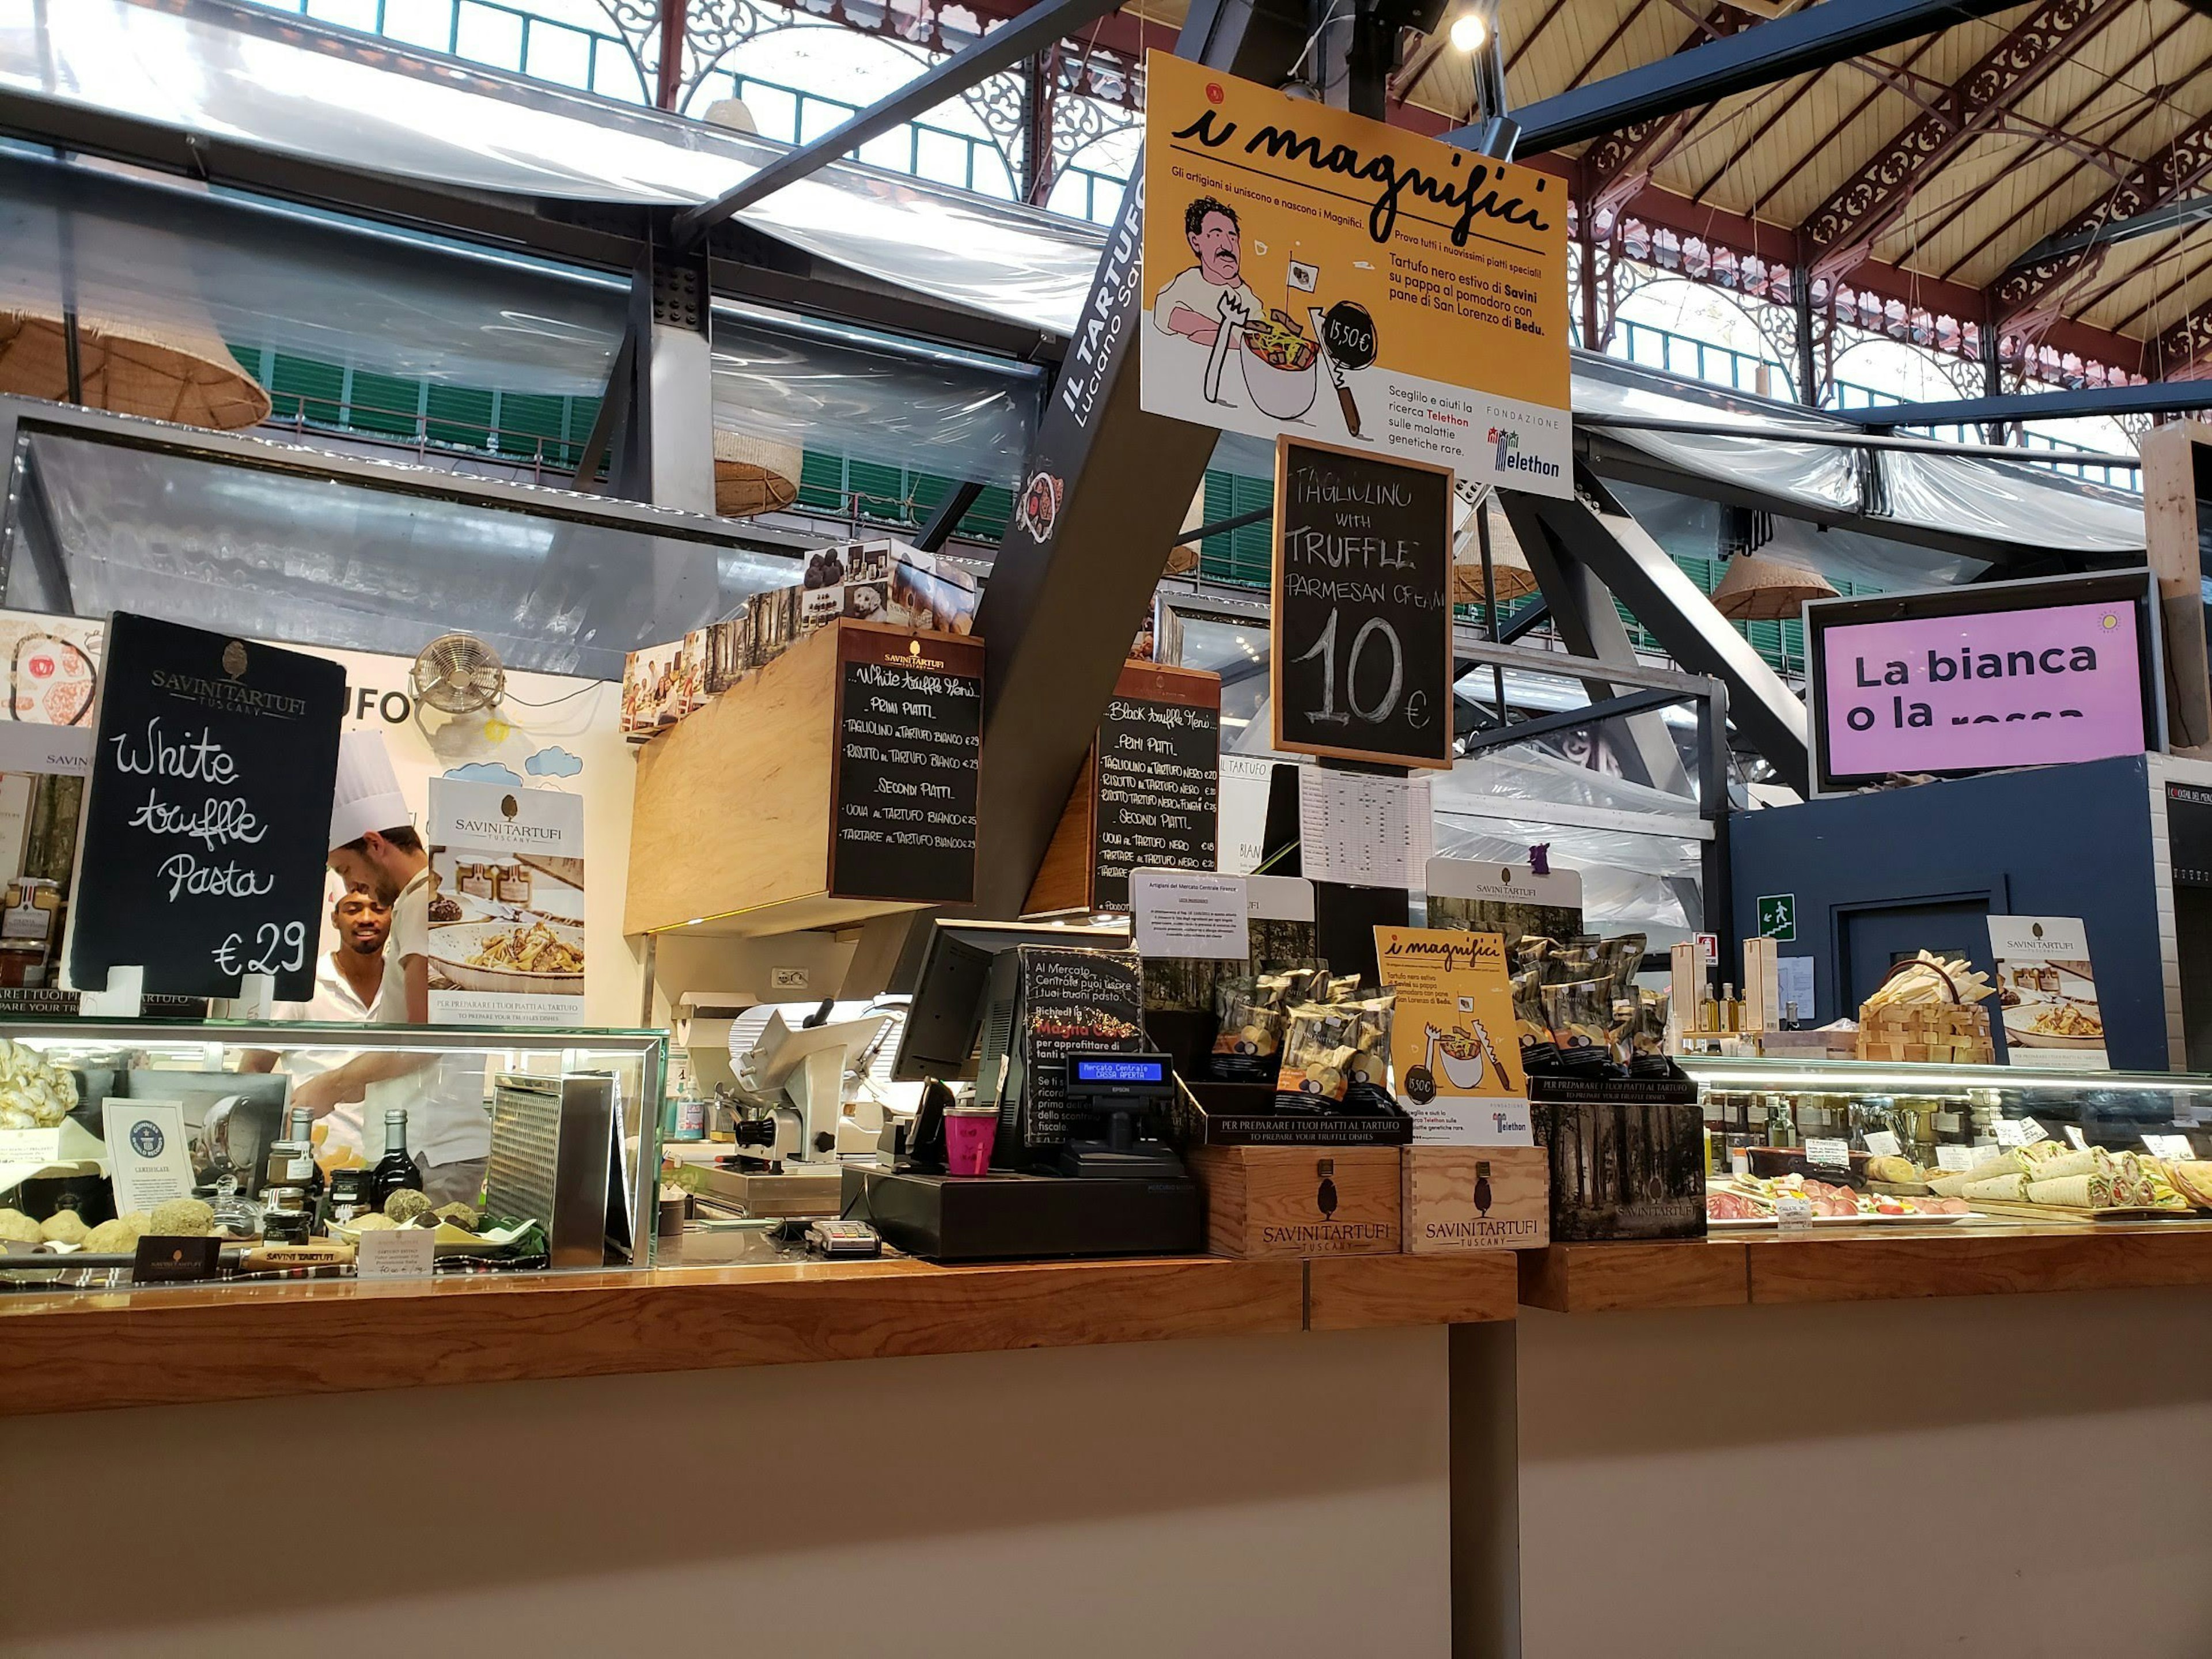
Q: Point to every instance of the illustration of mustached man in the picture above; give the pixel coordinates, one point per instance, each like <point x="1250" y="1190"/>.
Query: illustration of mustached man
<point x="1209" y="302"/>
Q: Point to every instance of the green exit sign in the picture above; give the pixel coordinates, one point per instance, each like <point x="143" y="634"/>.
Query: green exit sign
<point x="1777" y="916"/>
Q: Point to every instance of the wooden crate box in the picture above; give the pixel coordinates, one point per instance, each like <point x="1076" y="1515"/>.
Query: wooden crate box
<point x="1299" y="1200"/>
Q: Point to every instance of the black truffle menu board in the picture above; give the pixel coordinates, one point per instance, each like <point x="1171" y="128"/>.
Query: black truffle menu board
<point x="909" y="729"/>
<point x="1361" y="666"/>
<point x="1159" y="778"/>
<point x="207" y="816"/>
<point x="1069" y="1001"/>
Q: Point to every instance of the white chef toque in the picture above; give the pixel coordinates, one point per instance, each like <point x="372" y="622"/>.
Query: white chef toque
<point x="368" y="795"/>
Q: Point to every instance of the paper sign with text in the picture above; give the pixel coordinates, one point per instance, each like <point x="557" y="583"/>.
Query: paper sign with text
<point x="1455" y="1059"/>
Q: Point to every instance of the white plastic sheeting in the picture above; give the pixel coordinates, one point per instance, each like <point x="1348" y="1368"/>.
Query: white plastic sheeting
<point x="244" y="75"/>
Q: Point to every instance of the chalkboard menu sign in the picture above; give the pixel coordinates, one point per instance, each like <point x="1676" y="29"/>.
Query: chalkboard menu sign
<point x="1361" y="667"/>
<point x="1158" y="778"/>
<point x="909" y="729"/>
<point x="207" y="816"/>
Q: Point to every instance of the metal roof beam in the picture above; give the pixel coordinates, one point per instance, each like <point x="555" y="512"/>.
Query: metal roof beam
<point x="1040" y="26"/>
<point x="2174" y="216"/>
<point x="2032" y="290"/>
<point x="2158" y="398"/>
<point x="1803" y="41"/>
<point x="1620" y="164"/>
<point x="1846" y="226"/>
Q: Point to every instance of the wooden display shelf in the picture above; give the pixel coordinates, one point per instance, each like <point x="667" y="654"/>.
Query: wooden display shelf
<point x="1368" y="1292"/>
<point x="1900" y="1262"/>
<point x="1871" y="1263"/>
<point x="1617" y="1277"/>
<point x="739" y="806"/>
<point x="78" y="1352"/>
<point x="1078" y="872"/>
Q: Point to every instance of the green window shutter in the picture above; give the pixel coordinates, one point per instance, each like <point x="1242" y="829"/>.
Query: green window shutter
<point x="1252" y="549"/>
<point x="987" y="521"/>
<point x="882" y="490"/>
<point x="525" y="419"/>
<point x="927" y="489"/>
<point x="822" y="481"/>
<point x="301" y="388"/>
<point x="385" y="404"/>
<point x="460" y="415"/>
<point x="249" y="359"/>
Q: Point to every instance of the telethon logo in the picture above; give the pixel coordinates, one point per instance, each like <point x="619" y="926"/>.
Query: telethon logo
<point x="1509" y="458"/>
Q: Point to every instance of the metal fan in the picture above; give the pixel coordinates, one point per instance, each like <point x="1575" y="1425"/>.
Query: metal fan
<point x="458" y="673"/>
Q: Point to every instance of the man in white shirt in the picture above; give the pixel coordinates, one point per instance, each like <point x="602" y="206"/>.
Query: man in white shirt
<point x="350" y="982"/>
<point x="373" y="846"/>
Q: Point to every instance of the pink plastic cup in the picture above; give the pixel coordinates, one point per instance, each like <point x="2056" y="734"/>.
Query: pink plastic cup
<point x="968" y="1138"/>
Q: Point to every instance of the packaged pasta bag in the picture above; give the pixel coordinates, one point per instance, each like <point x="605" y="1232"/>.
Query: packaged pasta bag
<point x="1528" y="1017"/>
<point x="1329" y="1049"/>
<point x="1579" y="1015"/>
<point x="1250" y="1011"/>
<point x="1618" y="960"/>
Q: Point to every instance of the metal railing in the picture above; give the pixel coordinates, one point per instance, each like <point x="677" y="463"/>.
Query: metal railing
<point x="1699" y="360"/>
<point x="1851" y="395"/>
<point x="502" y="36"/>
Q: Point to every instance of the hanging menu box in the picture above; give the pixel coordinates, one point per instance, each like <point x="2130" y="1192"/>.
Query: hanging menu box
<point x="910" y="730"/>
<point x="207" y="814"/>
<point x="1148" y="795"/>
<point x="1362" y="659"/>
<point x="1159" y="778"/>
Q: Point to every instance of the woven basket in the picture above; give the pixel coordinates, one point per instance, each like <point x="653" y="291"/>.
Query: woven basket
<point x="754" y="475"/>
<point x="1509" y="565"/>
<point x="170" y="371"/>
<point x="1755" y="588"/>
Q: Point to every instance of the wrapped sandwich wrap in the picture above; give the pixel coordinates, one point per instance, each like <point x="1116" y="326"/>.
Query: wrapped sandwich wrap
<point x="2080" y="1191"/>
<point x="2096" y="1162"/>
<point x="2001" y="1189"/>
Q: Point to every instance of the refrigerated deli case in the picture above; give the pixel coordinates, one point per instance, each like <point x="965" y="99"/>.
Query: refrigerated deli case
<point x="562" y="1124"/>
<point x="1880" y="1143"/>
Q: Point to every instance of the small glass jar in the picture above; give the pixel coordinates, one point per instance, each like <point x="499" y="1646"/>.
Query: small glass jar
<point x="284" y="1217"/>
<point x="351" y="1194"/>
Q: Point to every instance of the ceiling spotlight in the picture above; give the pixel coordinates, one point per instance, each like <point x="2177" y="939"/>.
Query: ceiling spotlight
<point x="1468" y="32"/>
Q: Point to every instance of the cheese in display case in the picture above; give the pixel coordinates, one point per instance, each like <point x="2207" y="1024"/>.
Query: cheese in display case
<point x="510" y="1150"/>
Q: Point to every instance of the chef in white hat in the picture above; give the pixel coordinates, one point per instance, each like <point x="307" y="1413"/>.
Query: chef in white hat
<point x="373" y="846"/>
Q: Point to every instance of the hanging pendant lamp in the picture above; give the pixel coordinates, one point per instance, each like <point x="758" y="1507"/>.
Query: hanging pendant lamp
<point x="177" y="369"/>
<point x="1758" y="588"/>
<point x="754" y="475"/>
<point x="1509" y="565"/>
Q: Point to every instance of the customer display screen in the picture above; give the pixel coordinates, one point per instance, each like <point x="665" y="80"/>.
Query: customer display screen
<point x="1121" y="1071"/>
<point x="1978" y="690"/>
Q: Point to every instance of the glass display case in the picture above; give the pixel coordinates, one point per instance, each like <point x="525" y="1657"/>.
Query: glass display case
<point x="1869" y="1140"/>
<point x="515" y="1149"/>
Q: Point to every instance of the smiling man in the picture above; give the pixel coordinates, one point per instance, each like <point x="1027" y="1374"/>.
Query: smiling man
<point x="1193" y="304"/>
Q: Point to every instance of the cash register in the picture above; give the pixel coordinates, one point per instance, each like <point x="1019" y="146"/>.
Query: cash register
<point x="1113" y="1186"/>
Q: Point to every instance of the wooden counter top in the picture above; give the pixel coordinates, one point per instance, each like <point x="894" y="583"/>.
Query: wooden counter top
<point x="1868" y="1263"/>
<point x="78" y="1351"/>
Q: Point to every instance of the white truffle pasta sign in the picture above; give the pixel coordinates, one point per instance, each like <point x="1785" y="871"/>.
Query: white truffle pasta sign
<point x="206" y="817"/>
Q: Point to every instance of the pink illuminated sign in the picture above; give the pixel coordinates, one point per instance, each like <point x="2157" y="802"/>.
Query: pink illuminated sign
<point x="1974" y="693"/>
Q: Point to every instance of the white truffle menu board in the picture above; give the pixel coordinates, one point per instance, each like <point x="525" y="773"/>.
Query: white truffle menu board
<point x="910" y="730"/>
<point x="207" y="814"/>
<point x="1159" y="778"/>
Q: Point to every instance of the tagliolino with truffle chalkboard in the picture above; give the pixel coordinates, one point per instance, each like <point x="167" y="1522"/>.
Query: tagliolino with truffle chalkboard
<point x="1314" y="273"/>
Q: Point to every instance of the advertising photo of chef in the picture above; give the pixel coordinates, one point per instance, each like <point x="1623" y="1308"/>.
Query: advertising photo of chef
<point x="373" y="846"/>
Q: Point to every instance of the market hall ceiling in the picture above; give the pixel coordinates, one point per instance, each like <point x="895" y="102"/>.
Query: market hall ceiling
<point x="1929" y="171"/>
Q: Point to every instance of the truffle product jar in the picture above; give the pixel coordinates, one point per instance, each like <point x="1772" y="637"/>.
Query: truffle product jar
<point x="284" y="1217"/>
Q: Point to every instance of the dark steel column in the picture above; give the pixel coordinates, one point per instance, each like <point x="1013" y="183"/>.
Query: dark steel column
<point x="1100" y="500"/>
